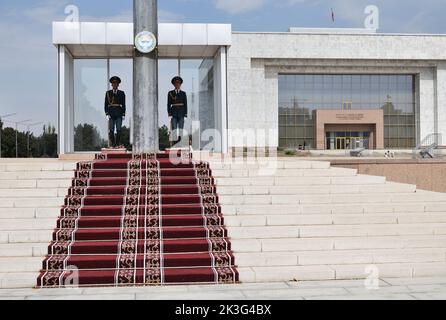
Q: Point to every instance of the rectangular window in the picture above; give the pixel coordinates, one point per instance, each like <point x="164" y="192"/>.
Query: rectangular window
<point x="394" y="94"/>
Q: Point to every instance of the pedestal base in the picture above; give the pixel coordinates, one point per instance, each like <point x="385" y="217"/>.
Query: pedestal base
<point x="112" y="150"/>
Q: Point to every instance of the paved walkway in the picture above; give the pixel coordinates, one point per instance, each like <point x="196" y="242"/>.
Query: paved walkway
<point x="389" y="289"/>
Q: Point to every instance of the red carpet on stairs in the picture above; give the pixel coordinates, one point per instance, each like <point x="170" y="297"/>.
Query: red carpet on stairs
<point x="149" y="219"/>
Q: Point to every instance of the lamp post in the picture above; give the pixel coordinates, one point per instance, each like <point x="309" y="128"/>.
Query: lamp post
<point x="27" y="132"/>
<point x="1" y="128"/>
<point x="16" y="135"/>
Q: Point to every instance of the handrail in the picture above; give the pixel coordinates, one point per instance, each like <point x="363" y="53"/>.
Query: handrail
<point x="428" y="145"/>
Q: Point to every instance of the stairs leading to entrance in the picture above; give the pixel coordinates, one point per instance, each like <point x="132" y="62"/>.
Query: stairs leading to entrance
<point x="149" y="219"/>
<point x="31" y="194"/>
<point x="302" y="220"/>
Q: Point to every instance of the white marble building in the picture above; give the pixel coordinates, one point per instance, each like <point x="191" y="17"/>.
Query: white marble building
<point x="354" y="67"/>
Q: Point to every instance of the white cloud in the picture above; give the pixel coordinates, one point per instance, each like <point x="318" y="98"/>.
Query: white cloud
<point x="46" y="11"/>
<point x="239" y="6"/>
<point x="395" y="16"/>
<point x="168" y="16"/>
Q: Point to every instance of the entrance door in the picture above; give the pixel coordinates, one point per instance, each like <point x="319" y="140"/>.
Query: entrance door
<point x="350" y="140"/>
<point x="340" y="143"/>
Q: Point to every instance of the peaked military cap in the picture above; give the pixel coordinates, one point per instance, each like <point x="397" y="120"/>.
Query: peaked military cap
<point x="175" y="79"/>
<point x="112" y="79"/>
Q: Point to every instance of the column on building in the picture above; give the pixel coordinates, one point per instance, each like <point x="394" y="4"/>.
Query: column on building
<point x="65" y="100"/>
<point x="426" y="102"/>
<point x="441" y="100"/>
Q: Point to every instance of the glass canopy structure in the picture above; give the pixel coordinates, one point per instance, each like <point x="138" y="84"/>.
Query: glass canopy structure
<point x="90" y="52"/>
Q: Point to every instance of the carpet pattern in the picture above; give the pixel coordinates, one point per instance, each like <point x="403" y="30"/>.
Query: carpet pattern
<point x="148" y="219"/>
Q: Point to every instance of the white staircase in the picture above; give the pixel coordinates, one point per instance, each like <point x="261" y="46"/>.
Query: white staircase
<point x="31" y="194"/>
<point x="308" y="221"/>
<point x="300" y="221"/>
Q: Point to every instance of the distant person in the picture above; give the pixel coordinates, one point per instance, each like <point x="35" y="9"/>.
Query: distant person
<point x="115" y="108"/>
<point x="389" y="154"/>
<point x="177" y="110"/>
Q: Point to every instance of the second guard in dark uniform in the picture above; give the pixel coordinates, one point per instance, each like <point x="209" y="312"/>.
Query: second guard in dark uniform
<point x="177" y="109"/>
<point x="115" y="109"/>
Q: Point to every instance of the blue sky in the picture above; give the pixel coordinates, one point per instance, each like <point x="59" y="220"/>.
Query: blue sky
<point x="28" y="59"/>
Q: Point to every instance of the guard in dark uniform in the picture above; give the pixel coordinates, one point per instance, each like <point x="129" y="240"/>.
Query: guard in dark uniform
<point x="115" y="108"/>
<point x="177" y="110"/>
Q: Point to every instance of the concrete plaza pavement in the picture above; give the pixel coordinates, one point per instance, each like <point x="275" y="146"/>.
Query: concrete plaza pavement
<point x="389" y="289"/>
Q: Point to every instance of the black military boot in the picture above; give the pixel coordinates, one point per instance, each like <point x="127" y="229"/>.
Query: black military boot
<point x="111" y="140"/>
<point x="118" y="139"/>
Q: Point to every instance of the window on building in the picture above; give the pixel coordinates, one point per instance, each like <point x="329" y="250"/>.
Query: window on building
<point x="301" y="94"/>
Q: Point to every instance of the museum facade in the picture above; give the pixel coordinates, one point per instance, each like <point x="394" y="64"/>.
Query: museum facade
<point x="324" y="89"/>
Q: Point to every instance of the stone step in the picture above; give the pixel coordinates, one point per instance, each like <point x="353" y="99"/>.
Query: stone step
<point x="39" y="202"/>
<point x="24" y="250"/>
<point x="28" y="221"/>
<point x="331" y="172"/>
<point x="27" y="236"/>
<point x="339" y="243"/>
<point x="279" y="259"/>
<point x="288" y="273"/>
<point x="35" y="175"/>
<point x="22" y="166"/>
<point x="20" y="264"/>
<point x="29" y="213"/>
<point x="300" y="181"/>
<point x="383" y="198"/>
<point x="388" y="187"/>
<point x="331" y="257"/>
<point x="27" y="224"/>
<point x="17" y="213"/>
<point x="375" y="230"/>
<point x="18" y="280"/>
<point x="332" y="208"/>
<point x="332" y="219"/>
<point x="268" y="164"/>
<point x="285" y="273"/>
<point x="270" y="232"/>
<point x="341" y="272"/>
<point x="324" y="231"/>
<point x="9" y="184"/>
<point x="386" y="242"/>
<point x="28" y="191"/>
<point x="33" y="184"/>
<point x="391" y="270"/>
<point x="33" y="193"/>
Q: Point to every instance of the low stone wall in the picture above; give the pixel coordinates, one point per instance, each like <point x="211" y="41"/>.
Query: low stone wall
<point x="425" y="174"/>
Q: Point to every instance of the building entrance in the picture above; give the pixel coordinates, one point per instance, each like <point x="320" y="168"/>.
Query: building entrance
<point x="348" y="140"/>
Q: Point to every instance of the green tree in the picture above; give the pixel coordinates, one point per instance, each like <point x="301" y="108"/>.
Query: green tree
<point x="88" y="138"/>
<point x="44" y="145"/>
<point x="8" y="142"/>
<point x="1" y="135"/>
<point x="164" y="138"/>
<point x="125" y="138"/>
<point x="48" y="142"/>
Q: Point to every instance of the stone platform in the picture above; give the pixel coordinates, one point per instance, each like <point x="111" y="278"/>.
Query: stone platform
<point x="426" y="174"/>
<point x="389" y="289"/>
